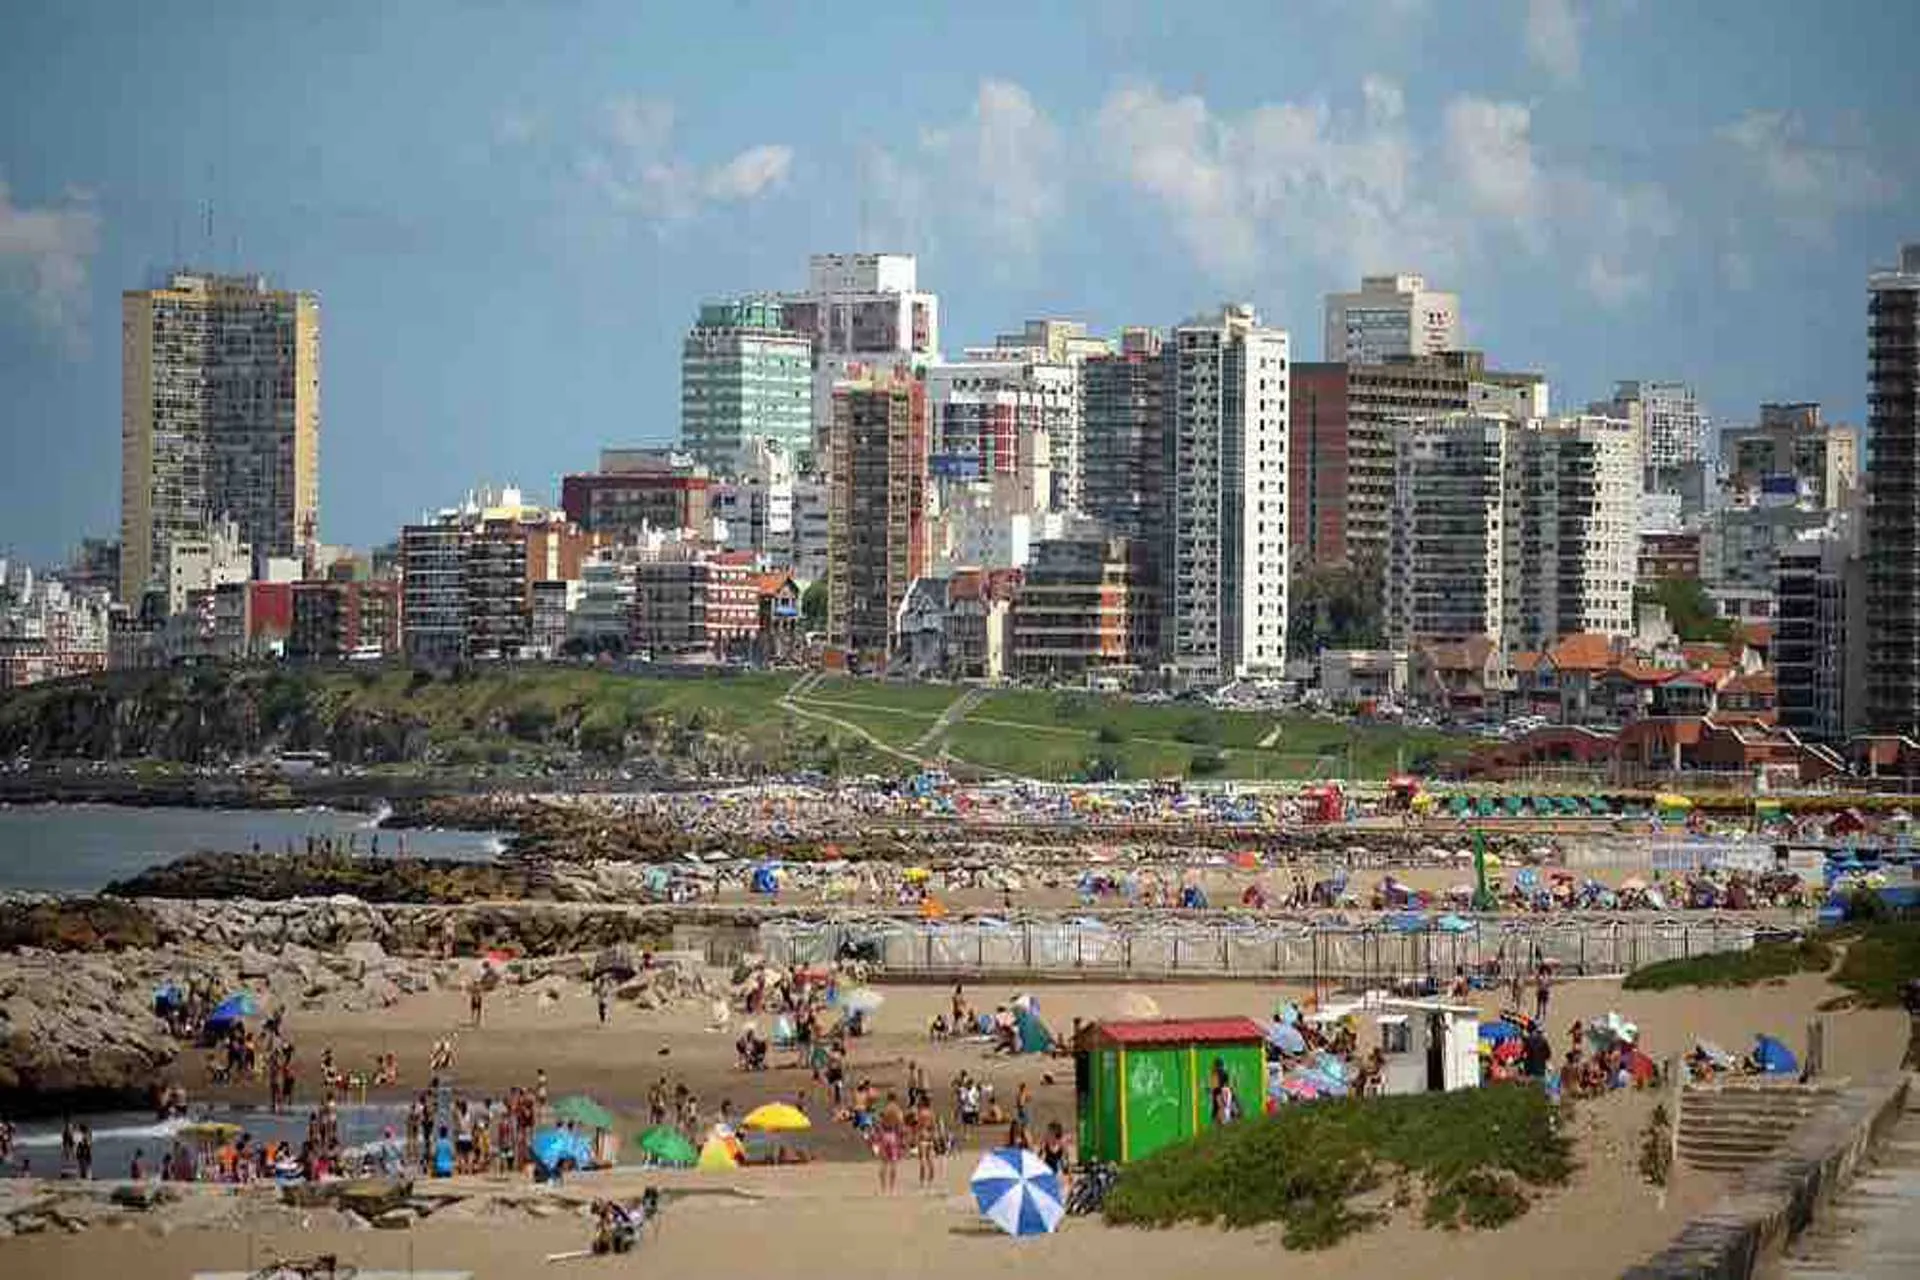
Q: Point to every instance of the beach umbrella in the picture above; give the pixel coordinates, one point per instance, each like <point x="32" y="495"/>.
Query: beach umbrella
<point x="914" y="875"/>
<point x="1499" y="1032"/>
<point x="862" y="1000"/>
<point x="550" y="1147"/>
<point x="583" y="1111"/>
<point x="777" y="1117"/>
<point x="1453" y="924"/>
<point x="1136" y="1004"/>
<point x="664" y="1145"/>
<point x="1017" y="1192"/>
<point x="1286" y="1037"/>
<point x="234" y="1008"/>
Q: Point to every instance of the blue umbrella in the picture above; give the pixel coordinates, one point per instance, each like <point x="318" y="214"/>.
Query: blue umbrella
<point x="1453" y="924"/>
<point x="1017" y="1192"/>
<point x="234" y="1008"/>
<point x="551" y="1146"/>
<point x="1498" y="1032"/>
<point x="1286" y="1037"/>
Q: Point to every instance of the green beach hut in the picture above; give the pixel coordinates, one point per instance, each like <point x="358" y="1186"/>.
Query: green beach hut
<point x="1141" y="1086"/>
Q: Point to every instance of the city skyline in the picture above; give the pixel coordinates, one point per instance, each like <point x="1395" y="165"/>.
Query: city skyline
<point x="509" y="273"/>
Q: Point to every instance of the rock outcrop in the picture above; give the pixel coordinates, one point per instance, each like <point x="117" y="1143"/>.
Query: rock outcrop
<point x="77" y="1032"/>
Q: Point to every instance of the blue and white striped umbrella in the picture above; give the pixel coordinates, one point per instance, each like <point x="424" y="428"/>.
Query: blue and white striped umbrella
<point x="1017" y="1192"/>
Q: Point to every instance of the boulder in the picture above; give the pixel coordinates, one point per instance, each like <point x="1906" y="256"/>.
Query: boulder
<point x="397" y="1219"/>
<point x="362" y="957"/>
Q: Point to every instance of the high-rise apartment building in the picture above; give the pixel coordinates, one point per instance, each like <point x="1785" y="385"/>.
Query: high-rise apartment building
<point x="1572" y="529"/>
<point x="1819" y="647"/>
<point x="1085" y="603"/>
<point x="1792" y="451"/>
<point x="877" y="535"/>
<point x="1126" y="401"/>
<point x="219" y="418"/>
<point x="1343" y="420"/>
<point x="1225" y="591"/>
<point x="1062" y="347"/>
<point x="1673" y="431"/>
<point x="861" y="311"/>
<point x="1518" y="531"/>
<point x="1390" y="316"/>
<point x="744" y="374"/>
<point x="1893" y="511"/>
<point x="998" y="416"/>
<point x="1446" y="558"/>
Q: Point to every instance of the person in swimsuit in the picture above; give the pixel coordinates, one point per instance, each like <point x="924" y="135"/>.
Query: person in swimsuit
<point x="889" y="1141"/>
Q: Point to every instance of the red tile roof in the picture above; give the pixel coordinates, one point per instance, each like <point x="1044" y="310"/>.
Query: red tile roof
<point x="1758" y="682"/>
<point x="772" y="584"/>
<point x="1582" y="651"/>
<point x="1524" y="661"/>
<point x="1180" y="1031"/>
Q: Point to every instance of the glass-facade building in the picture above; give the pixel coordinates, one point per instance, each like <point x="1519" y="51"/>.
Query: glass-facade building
<point x="744" y="374"/>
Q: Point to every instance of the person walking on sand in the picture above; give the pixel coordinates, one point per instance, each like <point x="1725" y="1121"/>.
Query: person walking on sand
<point x="1542" y="993"/>
<point x="926" y="1139"/>
<point x="476" y="999"/>
<point x="889" y="1140"/>
<point x="602" y="992"/>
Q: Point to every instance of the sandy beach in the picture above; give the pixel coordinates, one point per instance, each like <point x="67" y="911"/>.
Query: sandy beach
<point x="792" y="1221"/>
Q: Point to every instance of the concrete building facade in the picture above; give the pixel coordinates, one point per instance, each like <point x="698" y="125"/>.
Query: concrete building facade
<point x="1225" y="590"/>
<point x="1127" y="400"/>
<point x="744" y="375"/>
<point x="877" y="532"/>
<point x="861" y="311"/>
<point x="1085" y="604"/>
<point x="219" y="419"/>
<point x="1893" y="512"/>
<point x="1446" y="557"/>
<point x="1819" y="646"/>
<point x="637" y="491"/>
<point x="1390" y="316"/>
<point x="1792" y="446"/>
<point x="1572" y="530"/>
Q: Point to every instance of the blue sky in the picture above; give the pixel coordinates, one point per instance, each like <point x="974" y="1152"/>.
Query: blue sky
<point x="510" y="210"/>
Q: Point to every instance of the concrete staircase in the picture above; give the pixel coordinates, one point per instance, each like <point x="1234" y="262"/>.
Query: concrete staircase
<point x="1872" y="1230"/>
<point x="1729" y="1126"/>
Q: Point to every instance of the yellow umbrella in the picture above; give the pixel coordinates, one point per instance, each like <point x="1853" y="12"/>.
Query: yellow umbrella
<point x="917" y="874"/>
<point x="1668" y="800"/>
<point x="777" y="1117"/>
<point x="210" y="1131"/>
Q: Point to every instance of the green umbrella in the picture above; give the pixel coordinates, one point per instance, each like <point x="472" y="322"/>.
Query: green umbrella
<point x="669" y="1147"/>
<point x="583" y="1111"/>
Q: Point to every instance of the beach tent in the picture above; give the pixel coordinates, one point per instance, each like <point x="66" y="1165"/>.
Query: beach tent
<point x="720" y="1153"/>
<point x="1773" y="1057"/>
<point x="766" y="879"/>
<point x="551" y="1147"/>
<point x="1031" y="1035"/>
<point x="1286" y="1037"/>
<point x="234" y="1008"/>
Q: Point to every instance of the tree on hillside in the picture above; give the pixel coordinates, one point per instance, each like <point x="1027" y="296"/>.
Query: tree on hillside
<point x="1335" y="607"/>
<point x="1689" y="608"/>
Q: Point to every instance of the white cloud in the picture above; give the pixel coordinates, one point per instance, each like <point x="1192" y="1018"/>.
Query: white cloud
<point x="1553" y="37"/>
<point x="1006" y="156"/>
<point x="1810" y="183"/>
<point x="753" y="171"/>
<point x="1489" y="146"/>
<point x="634" y="167"/>
<point x="1283" y="178"/>
<point x="1284" y="184"/>
<point x="45" y="253"/>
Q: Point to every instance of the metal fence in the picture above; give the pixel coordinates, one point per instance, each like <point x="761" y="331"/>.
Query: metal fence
<point x="1348" y="953"/>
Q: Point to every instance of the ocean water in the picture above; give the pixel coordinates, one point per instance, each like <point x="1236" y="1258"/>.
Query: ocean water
<point x="118" y="1134"/>
<point x="62" y="848"/>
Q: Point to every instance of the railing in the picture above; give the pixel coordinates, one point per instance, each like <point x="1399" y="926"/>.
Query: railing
<point x="1366" y="953"/>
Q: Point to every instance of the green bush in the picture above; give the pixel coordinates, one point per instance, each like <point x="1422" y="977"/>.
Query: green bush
<point x="1109" y="735"/>
<point x="1206" y="762"/>
<point x="1070" y="707"/>
<point x="1880" y="961"/>
<point x="1476" y="1151"/>
<point x="1199" y="730"/>
<point x="1763" y="963"/>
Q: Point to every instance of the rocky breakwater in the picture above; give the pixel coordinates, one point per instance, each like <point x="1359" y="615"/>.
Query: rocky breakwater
<point x="77" y="1032"/>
